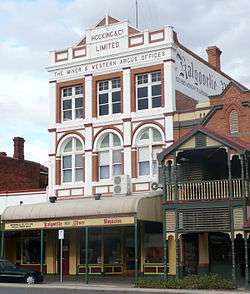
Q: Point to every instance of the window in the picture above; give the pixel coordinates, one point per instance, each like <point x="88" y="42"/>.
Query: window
<point x="149" y="145"/>
<point x="233" y="122"/>
<point x="148" y="90"/>
<point x="109" y="97"/>
<point x="72" y="103"/>
<point x="110" y="160"/>
<point x="72" y="161"/>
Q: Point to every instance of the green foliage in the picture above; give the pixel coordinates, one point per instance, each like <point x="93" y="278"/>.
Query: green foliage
<point x="210" y="281"/>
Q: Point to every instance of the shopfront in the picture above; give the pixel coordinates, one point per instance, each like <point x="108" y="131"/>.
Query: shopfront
<point x="114" y="235"/>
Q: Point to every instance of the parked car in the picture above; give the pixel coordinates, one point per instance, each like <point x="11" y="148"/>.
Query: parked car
<point x="11" y="273"/>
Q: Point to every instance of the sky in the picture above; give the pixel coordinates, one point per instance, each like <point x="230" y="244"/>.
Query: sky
<point x="29" y="29"/>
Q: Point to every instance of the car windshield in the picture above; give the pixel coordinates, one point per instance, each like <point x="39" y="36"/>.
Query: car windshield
<point x="6" y="264"/>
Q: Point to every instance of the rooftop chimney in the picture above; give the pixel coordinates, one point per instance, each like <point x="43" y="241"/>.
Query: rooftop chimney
<point x="18" y="148"/>
<point x="213" y="54"/>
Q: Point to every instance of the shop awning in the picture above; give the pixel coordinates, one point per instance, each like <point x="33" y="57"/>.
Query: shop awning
<point x="115" y="210"/>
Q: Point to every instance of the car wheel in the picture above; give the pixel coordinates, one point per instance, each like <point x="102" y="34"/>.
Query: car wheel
<point x="30" y="280"/>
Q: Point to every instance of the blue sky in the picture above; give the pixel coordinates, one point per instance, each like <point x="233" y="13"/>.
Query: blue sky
<point x="30" y="28"/>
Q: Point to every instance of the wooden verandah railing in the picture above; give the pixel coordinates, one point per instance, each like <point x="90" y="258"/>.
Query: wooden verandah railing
<point x="206" y="190"/>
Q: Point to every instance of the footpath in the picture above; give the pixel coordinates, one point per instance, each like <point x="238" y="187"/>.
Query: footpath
<point x="104" y="288"/>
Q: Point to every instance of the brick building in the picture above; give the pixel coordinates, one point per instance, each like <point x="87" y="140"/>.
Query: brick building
<point x="16" y="173"/>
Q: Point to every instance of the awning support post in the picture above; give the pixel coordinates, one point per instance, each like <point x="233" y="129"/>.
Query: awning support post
<point x="246" y="260"/>
<point x="86" y="256"/>
<point x="2" y="243"/>
<point x="136" y="250"/>
<point x="41" y="248"/>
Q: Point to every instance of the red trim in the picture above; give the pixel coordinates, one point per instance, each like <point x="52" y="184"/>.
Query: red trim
<point x="107" y="128"/>
<point x="146" y="122"/>
<point x="69" y="133"/>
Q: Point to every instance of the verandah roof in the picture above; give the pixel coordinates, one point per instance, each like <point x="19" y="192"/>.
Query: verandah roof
<point x="145" y="206"/>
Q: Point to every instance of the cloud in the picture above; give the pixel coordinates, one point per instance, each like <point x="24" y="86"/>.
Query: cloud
<point x="29" y="29"/>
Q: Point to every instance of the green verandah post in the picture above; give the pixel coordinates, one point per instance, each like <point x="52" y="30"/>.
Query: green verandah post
<point x="41" y="248"/>
<point x="136" y="250"/>
<point x="86" y="256"/>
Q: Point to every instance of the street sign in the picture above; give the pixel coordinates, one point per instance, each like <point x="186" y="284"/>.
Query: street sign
<point x="60" y="234"/>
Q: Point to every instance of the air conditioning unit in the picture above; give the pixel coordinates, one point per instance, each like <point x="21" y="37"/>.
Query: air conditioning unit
<point x="121" y="185"/>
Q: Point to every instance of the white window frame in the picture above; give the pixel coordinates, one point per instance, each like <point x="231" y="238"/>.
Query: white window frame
<point x="151" y="145"/>
<point x="148" y="85"/>
<point x="73" y="98"/>
<point x="110" y="150"/>
<point x="234" y="122"/>
<point x="109" y="91"/>
<point x="73" y="153"/>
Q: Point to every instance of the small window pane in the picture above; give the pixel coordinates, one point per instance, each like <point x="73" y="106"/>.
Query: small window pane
<point x="79" y="113"/>
<point x="78" y="145"/>
<point x="116" y="96"/>
<point x="103" y="98"/>
<point x="79" y="175"/>
<point x="103" y="109"/>
<point x="143" y="154"/>
<point x="105" y="142"/>
<point x="142" y="92"/>
<point x="67" y="161"/>
<point x="156" y="76"/>
<point x="144" y="168"/>
<point x="145" y="135"/>
<point x="104" y="158"/>
<point x="116" y="107"/>
<point x="78" y="90"/>
<point x="67" y="92"/>
<point x="78" y="102"/>
<point x="79" y="160"/>
<point x="103" y="85"/>
<point x="116" y="140"/>
<point x="67" y="176"/>
<point x="156" y="90"/>
<point x="156" y="102"/>
<point x="117" y="156"/>
<point x="104" y="172"/>
<point x="68" y="146"/>
<point x="117" y="169"/>
<point x="115" y="83"/>
<point x="156" y="136"/>
<point x="143" y="104"/>
<point x="142" y="79"/>
<point x="67" y="115"/>
<point x="67" y="104"/>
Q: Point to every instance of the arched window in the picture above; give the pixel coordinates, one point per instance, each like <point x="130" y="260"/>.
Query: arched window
<point x="72" y="161"/>
<point x="233" y="122"/>
<point x="110" y="160"/>
<point x="149" y="144"/>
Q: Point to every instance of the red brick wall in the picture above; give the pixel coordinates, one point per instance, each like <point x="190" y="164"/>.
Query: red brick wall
<point x="231" y="100"/>
<point x="20" y="175"/>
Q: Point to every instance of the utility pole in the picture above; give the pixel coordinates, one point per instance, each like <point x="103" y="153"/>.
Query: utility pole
<point x="136" y="14"/>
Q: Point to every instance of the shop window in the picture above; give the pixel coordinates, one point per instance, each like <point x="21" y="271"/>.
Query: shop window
<point x="72" y="161"/>
<point x="233" y="123"/>
<point x="94" y="248"/>
<point x="148" y="90"/>
<point x="110" y="160"/>
<point x="149" y="144"/>
<point x="72" y="103"/>
<point x="153" y="243"/>
<point x="29" y="250"/>
<point x="109" y="97"/>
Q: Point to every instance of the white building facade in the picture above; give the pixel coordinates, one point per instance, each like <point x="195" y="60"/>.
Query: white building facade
<point x="112" y="103"/>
